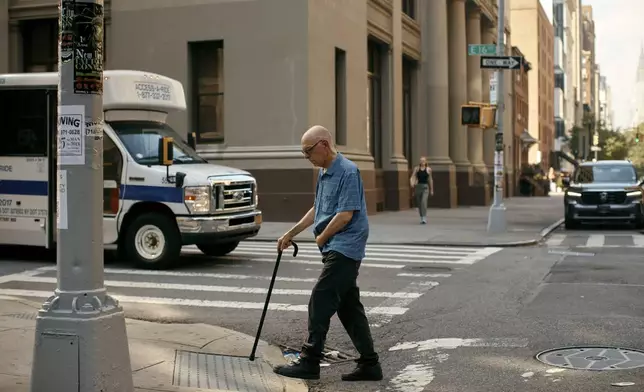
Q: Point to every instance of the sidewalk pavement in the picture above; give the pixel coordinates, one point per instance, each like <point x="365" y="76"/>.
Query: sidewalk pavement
<point x="529" y="220"/>
<point x="154" y="349"/>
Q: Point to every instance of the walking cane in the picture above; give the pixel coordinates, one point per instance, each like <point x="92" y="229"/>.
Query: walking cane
<point x="268" y="299"/>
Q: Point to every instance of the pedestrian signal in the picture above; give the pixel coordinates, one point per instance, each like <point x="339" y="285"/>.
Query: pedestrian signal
<point x="478" y="116"/>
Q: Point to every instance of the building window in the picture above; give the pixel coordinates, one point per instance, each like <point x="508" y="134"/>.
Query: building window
<point x="40" y="45"/>
<point x="340" y="97"/>
<point x="559" y="80"/>
<point x="409" y="8"/>
<point x="408" y="70"/>
<point x="207" y="80"/>
<point x="375" y="60"/>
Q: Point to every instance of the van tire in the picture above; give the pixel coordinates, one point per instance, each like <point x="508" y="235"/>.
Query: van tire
<point x="145" y="232"/>
<point x="218" y="249"/>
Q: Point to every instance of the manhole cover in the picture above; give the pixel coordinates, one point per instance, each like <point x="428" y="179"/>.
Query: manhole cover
<point x="593" y="358"/>
<point x="226" y="373"/>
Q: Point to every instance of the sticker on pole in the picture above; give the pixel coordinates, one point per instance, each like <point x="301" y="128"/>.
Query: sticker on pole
<point x="71" y="135"/>
<point x="61" y="200"/>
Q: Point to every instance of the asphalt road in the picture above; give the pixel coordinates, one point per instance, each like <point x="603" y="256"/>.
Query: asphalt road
<point x="455" y="319"/>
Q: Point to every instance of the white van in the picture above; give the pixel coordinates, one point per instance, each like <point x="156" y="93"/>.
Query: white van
<point x="150" y="210"/>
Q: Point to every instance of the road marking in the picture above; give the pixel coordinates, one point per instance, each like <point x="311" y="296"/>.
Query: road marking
<point x="370" y="250"/>
<point x="416" y="377"/>
<point x="638" y="240"/>
<point x="556" y="240"/>
<point x="454" y="343"/>
<point x="389" y="311"/>
<point x="568" y="253"/>
<point x="119" y="271"/>
<point x="595" y="241"/>
<point x="408" y="275"/>
<point x="379" y="247"/>
<point x="215" y="289"/>
<point x="369" y="255"/>
<point x="439" y="259"/>
<point x="415" y="287"/>
<point x="299" y="261"/>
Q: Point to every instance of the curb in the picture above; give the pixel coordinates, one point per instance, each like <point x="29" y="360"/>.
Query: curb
<point x="514" y="244"/>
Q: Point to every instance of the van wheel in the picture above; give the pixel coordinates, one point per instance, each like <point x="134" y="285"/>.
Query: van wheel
<point x="152" y="241"/>
<point x="218" y="249"/>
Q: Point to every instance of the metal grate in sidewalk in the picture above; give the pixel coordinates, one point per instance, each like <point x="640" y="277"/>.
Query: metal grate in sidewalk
<point x="228" y="373"/>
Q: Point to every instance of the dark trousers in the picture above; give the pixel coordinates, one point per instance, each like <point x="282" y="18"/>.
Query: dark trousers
<point x="337" y="291"/>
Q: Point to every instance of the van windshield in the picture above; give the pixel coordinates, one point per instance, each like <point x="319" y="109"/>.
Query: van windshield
<point x="141" y="139"/>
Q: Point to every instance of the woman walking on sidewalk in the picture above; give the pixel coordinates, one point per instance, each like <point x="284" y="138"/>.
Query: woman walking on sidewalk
<point x="422" y="185"/>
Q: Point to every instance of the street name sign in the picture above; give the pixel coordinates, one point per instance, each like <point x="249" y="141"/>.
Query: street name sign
<point x="501" y="62"/>
<point x="481" y="49"/>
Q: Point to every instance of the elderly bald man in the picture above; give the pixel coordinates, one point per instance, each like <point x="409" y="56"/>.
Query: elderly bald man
<point x="339" y="219"/>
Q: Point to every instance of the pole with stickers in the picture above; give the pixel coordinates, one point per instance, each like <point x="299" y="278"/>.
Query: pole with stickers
<point x="496" y="218"/>
<point x="80" y="338"/>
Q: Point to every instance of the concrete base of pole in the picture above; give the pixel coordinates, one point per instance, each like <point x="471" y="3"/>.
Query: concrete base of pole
<point x="81" y="345"/>
<point x="496" y="222"/>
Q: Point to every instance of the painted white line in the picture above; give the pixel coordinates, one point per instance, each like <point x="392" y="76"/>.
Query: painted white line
<point x="556" y="240"/>
<point x="377" y="247"/>
<point x="408" y="275"/>
<point x="118" y="271"/>
<point x="595" y="241"/>
<point x="415" y="287"/>
<point x="16" y="276"/>
<point x="370" y="256"/>
<point x="200" y="303"/>
<point x="414" y="378"/>
<point x="370" y="250"/>
<point x="304" y="262"/>
<point x="216" y="289"/>
<point x="454" y="343"/>
<point x="248" y="256"/>
<point x="568" y="253"/>
<point x="638" y="240"/>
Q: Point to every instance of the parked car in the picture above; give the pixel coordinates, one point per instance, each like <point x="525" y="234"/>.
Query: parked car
<point x="602" y="192"/>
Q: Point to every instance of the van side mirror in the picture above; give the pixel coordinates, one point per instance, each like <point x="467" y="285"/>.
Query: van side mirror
<point x="166" y="151"/>
<point x="192" y="140"/>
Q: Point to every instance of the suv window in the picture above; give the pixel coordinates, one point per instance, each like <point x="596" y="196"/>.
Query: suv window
<point x="605" y="173"/>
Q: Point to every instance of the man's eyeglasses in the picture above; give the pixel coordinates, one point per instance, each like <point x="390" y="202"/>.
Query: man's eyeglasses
<point x="307" y="151"/>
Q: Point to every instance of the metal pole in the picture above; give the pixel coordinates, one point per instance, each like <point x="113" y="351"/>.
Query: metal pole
<point x="496" y="219"/>
<point x="80" y="338"/>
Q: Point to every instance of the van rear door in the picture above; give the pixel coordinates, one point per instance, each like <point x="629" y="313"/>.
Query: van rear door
<point x="26" y="131"/>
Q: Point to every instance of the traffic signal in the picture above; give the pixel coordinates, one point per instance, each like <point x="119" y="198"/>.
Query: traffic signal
<point x="478" y="115"/>
<point x="637" y="137"/>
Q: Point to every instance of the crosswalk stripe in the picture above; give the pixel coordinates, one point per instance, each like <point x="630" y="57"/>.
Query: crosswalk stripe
<point x="369" y="256"/>
<point x="378" y="247"/>
<point x="438" y="260"/>
<point x="370" y="250"/>
<point x="415" y="287"/>
<point x="638" y="240"/>
<point x="595" y="241"/>
<point x="409" y="275"/>
<point x="380" y="310"/>
<point x="121" y="271"/>
<point x="216" y="289"/>
<point x="556" y="240"/>
<point x="299" y="261"/>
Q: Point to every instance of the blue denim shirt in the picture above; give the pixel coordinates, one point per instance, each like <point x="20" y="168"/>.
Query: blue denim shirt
<point x="340" y="189"/>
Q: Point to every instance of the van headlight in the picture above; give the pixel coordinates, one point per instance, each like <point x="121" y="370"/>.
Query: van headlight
<point x="197" y="199"/>
<point x="634" y="194"/>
